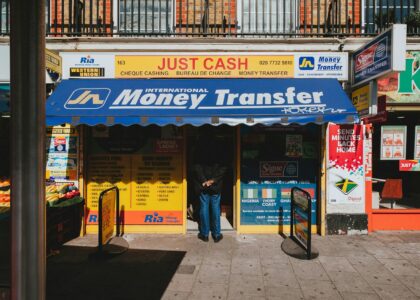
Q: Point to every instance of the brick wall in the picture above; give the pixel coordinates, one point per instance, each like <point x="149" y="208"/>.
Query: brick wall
<point x="330" y="12"/>
<point x="91" y="16"/>
<point x="189" y="15"/>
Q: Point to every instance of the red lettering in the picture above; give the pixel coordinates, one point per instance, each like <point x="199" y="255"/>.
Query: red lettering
<point x="205" y="63"/>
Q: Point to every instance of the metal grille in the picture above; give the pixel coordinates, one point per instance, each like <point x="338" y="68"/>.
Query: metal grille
<point x="380" y="14"/>
<point x="223" y="18"/>
<point x="140" y="17"/>
<point x="79" y="17"/>
<point x="4" y="17"/>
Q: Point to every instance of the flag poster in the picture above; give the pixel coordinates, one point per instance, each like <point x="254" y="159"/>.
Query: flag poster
<point x="345" y="164"/>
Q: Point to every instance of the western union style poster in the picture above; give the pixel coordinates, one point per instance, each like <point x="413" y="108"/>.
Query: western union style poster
<point x="346" y="175"/>
<point x="146" y="167"/>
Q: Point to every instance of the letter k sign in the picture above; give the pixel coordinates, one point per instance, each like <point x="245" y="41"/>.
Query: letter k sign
<point x="87" y="98"/>
<point x="409" y="78"/>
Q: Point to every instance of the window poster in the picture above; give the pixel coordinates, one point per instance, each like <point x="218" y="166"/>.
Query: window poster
<point x="417" y="143"/>
<point x="393" y="142"/>
<point x="294" y="146"/>
<point x="61" y="150"/>
<point x="146" y="164"/>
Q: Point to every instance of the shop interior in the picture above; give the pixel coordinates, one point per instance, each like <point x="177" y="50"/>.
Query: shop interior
<point x="384" y="170"/>
<point x="273" y="160"/>
<point x="223" y="144"/>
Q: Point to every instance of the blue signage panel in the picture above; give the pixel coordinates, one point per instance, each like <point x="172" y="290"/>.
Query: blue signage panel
<point x="270" y="204"/>
<point x="198" y="101"/>
<point x="374" y="59"/>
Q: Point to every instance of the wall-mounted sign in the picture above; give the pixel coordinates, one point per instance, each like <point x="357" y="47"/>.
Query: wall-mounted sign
<point x="365" y="99"/>
<point x="278" y="169"/>
<point x="87" y="65"/>
<point x="393" y="142"/>
<point x="322" y="65"/>
<point x="380" y="56"/>
<point x="53" y="61"/>
<point x="410" y="165"/>
<point x="417" y="143"/>
<point x="403" y="87"/>
<point x="203" y="66"/>
<point x="345" y="176"/>
<point x="206" y="65"/>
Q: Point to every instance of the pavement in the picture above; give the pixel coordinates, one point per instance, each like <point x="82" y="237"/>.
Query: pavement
<point x="383" y="265"/>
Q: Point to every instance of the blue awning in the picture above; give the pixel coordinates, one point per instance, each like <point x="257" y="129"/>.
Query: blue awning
<point x="199" y="101"/>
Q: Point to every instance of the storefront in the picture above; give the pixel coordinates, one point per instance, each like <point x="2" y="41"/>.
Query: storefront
<point x="396" y="152"/>
<point x="141" y="135"/>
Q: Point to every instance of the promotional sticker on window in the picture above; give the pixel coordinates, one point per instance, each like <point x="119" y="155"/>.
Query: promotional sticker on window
<point x="393" y="142"/>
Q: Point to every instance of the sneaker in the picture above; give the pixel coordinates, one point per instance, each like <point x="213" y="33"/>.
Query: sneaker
<point x="203" y="237"/>
<point x="218" y="238"/>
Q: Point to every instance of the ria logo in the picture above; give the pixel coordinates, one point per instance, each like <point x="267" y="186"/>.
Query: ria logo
<point x="306" y="63"/>
<point x="86" y="98"/>
<point x="87" y="60"/>
<point x="155" y="218"/>
<point x="346" y="186"/>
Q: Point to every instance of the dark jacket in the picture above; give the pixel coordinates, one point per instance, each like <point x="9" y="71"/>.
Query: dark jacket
<point x="208" y="165"/>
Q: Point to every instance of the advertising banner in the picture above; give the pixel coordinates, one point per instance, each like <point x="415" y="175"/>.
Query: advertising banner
<point x="404" y="86"/>
<point x="108" y="215"/>
<point x="276" y="169"/>
<point x="87" y="65"/>
<point x="393" y="142"/>
<point x="61" y="151"/>
<point x="345" y="177"/>
<point x="322" y="65"/>
<point x="148" y="172"/>
<point x="301" y="202"/>
<point x="410" y="165"/>
<point x="205" y="65"/>
<point x="53" y="61"/>
<point x="361" y="100"/>
<point x="380" y="56"/>
<point x="270" y="204"/>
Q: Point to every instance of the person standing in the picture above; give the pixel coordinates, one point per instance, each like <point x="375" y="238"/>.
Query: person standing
<point x="208" y="173"/>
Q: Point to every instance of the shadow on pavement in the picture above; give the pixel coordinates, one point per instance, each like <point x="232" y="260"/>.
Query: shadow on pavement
<point x="135" y="274"/>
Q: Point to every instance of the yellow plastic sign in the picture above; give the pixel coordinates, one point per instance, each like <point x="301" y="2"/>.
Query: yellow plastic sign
<point x="204" y="66"/>
<point x="108" y="214"/>
<point x="361" y="99"/>
<point x="53" y="61"/>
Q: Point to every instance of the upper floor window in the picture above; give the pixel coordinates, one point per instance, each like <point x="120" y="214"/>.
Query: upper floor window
<point x="380" y="14"/>
<point x="145" y="16"/>
<point x="267" y="16"/>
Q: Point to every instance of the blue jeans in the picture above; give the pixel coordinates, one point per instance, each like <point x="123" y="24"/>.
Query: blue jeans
<point x="210" y="214"/>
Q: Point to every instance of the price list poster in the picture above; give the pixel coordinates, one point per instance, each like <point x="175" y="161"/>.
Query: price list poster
<point x="150" y="184"/>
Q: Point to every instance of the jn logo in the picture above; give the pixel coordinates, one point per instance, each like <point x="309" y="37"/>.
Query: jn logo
<point x="87" y="98"/>
<point x="306" y="63"/>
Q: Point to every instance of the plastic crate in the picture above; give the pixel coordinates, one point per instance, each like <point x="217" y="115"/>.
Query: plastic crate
<point x="64" y="222"/>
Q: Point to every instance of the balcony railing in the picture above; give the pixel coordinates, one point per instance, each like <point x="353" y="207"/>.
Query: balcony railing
<point x="223" y="18"/>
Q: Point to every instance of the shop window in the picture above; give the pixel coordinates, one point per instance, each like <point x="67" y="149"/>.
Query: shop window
<point x="267" y="16"/>
<point x="145" y="16"/>
<point x="395" y="156"/>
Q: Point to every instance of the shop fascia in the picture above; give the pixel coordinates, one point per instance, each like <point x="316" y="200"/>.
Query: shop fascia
<point x="192" y="98"/>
